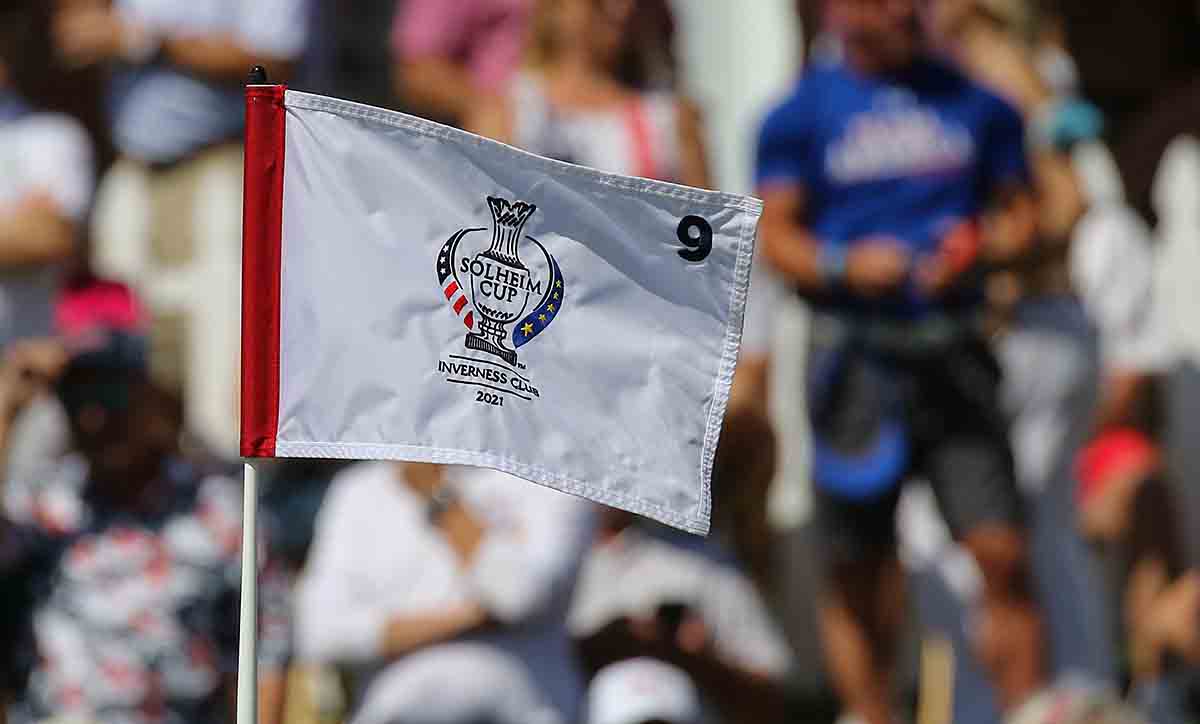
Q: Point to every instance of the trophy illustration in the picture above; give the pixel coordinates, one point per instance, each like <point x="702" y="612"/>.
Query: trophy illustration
<point x="500" y="286"/>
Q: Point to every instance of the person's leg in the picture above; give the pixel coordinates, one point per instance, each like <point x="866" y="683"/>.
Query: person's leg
<point x="980" y="503"/>
<point x="862" y="606"/>
<point x="859" y="628"/>
<point x="1009" y="631"/>
<point x="1050" y="381"/>
<point x="970" y="467"/>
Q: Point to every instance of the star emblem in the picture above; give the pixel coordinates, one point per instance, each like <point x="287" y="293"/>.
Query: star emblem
<point x="541" y="318"/>
<point x="550" y="307"/>
<point x="556" y="295"/>
<point x="527" y="328"/>
<point x="558" y="283"/>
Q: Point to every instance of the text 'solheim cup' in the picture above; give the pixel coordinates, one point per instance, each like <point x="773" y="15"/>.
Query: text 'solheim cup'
<point x="499" y="281"/>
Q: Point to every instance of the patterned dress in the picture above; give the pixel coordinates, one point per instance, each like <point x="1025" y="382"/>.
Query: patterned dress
<point x="131" y="617"/>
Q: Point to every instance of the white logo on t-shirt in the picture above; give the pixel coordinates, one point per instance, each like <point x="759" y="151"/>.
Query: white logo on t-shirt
<point x="898" y="142"/>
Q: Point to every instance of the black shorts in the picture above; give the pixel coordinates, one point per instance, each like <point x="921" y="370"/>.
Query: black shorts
<point x="948" y="396"/>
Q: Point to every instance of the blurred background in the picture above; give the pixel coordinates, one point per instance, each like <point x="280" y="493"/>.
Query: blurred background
<point x="120" y="212"/>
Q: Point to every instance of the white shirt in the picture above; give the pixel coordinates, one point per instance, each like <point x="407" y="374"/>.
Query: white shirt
<point x="634" y="573"/>
<point x="1113" y="268"/>
<point x="40" y="154"/>
<point x="375" y="556"/>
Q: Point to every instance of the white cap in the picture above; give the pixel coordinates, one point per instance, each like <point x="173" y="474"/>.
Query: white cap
<point x="641" y="690"/>
<point x="487" y="684"/>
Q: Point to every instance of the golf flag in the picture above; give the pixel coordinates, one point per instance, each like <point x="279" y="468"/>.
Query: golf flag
<point x="415" y="292"/>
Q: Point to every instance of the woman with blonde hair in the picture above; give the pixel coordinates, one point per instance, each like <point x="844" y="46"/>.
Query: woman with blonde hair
<point x="585" y="95"/>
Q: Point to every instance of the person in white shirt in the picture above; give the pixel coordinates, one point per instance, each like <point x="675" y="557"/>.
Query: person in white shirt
<point x="179" y="66"/>
<point x="423" y="580"/>
<point x="168" y="212"/>
<point x="46" y="181"/>
<point x="1112" y="267"/>
<point x="645" y="594"/>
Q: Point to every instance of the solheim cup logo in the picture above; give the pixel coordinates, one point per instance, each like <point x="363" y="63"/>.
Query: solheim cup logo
<point x="503" y="300"/>
<point x="500" y="283"/>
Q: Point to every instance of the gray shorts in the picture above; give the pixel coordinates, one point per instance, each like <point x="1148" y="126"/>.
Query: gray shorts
<point x="948" y="395"/>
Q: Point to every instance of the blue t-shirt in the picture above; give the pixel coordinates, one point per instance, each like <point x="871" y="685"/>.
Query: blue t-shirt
<point x="910" y="154"/>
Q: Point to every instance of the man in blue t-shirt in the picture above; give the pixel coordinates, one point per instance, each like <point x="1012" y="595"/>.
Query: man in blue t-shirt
<point x="891" y="182"/>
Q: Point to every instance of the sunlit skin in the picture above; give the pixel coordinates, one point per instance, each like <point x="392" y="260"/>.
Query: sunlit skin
<point x="90" y="32"/>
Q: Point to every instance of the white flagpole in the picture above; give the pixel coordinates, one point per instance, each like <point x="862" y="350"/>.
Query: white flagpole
<point x="247" y="669"/>
<point x="247" y="664"/>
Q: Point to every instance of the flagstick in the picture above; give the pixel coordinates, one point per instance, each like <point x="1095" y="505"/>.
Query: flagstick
<point x="253" y="236"/>
<point x="247" y="670"/>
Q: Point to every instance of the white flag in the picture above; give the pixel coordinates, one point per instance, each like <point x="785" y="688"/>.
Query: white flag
<point x="415" y="292"/>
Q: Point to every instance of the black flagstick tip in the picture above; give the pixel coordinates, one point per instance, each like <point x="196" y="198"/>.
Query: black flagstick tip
<point x="257" y="76"/>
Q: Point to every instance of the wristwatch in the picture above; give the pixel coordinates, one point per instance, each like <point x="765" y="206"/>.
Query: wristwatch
<point x="440" y="501"/>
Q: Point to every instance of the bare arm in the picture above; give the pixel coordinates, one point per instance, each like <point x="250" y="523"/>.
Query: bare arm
<point x="454" y="520"/>
<point x="35" y="232"/>
<point x="221" y="58"/>
<point x="751" y="381"/>
<point x="462" y="530"/>
<point x="1011" y="226"/>
<point x="873" y="266"/>
<point x="1060" y="193"/>
<point x="89" y="34"/>
<point x="787" y="245"/>
<point x="693" y="160"/>
<point x="1000" y="64"/>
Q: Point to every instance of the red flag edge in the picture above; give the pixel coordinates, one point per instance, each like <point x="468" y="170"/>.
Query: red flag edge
<point x="262" y="230"/>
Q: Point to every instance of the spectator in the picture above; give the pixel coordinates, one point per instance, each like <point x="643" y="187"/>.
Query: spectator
<point x="127" y="560"/>
<point x="877" y="172"/>
<point x="1047" y="347"/>
<point x="39" y="443"/>
<point x="169" y="210"/>
<point x="1113" y="268"/>
<point x="643" y="691"/>
<point x="450" y="56"/>
<point x="652" y="595"/>
<point x="572" y="105"/>
<point x="177" y="90"/>
<point x="418" y="571"/>
<point x="45" y="193"/>
<point x="1125" y="506"/>
<point x="986" y="39"/>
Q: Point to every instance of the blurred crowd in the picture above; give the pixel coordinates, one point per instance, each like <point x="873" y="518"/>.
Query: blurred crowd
<point x="1040" y="566"/>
